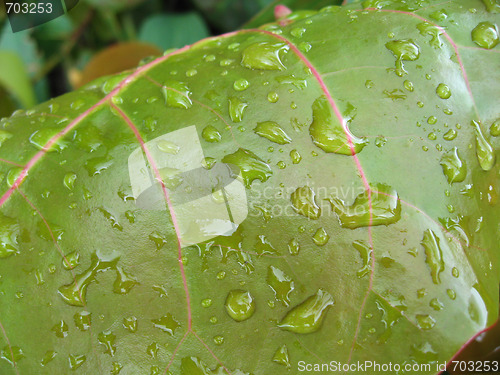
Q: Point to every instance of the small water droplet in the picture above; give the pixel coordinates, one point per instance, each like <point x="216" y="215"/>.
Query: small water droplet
<point x="211" y="134"/>
<point x="450" y="135"/>
<point x="107" y="338"/>
<point x="251" y="166"/>
<point x="71" y="260"/>
<point x="82" y="320"/>
<point x="130" y="323"/>
<point x="123" y="282"/>
<point x="166" y="323"/>
<point x="366" y="257"/>
<point x="43" y="136"/>
<point x="48" y="357"/>
<point x="207" y="302"/>
<point x="495" y="128"/>
<point x="408" y="85"/>
<point x="293" y="247"/>
<point x="76" y="361"/>
<point x="176" y="95"/>
<point x="60" y="329"/>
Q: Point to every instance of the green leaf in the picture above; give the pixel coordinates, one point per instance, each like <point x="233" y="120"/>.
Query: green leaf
<point x="15" y="79"/>
<point x="324" y="198"/>
<point x="173" y="30"/>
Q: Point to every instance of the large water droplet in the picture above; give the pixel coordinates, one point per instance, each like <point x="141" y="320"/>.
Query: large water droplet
<point x="366" y="257"/>
<point x="308" y="316"/>
<point x="211" y="134"/>
<point x="240" y="305"/>
<point x="281" y="284"/>
<point x="166" y="323"/>
<point x="177" y="95"/>
<point x="425" y="321"/>
<point x="403" y="50"/>
<point x="251" y="166"/>
<point x="272" y="131"/>
<point x="60" y="329"/>
<point x="321" y="238"/>
<point x="42" y="136"/>
<point x="281" y="356"/>
<point x="391" y="313"/>
<point x="443" y="91"/>
<point x="76" y="361"/>
<point x="304" y="202"/>
<point x="433" y="255"/>
<point x="241" y="84"/>
<point x="75" y="293"/>
<point x="236" y="109"/>
<point x="264" y="56"/>
<point x="9" y="232"/>
<point x="385" y="208"/>
<point x="107" y="338"/>
<point x="124" y="282"/>
<point x="484" y="151"/>
<point x="426" y="28"/>
<point x="485" y="35"/>
<point x="82" y="320"/>
<point x="454" y="168"/>
<point x="331" y="135"/>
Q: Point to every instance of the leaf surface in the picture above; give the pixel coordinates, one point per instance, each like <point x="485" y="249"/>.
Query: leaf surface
<point x="356" y="237"/>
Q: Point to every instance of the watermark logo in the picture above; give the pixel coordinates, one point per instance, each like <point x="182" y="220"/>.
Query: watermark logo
<point x="26" y="14"/>
<point x="205" y="202"/>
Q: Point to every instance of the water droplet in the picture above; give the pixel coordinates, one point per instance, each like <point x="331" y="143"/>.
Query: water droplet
<point x="250" y="165"/>
<point x="425" y="321"/>
<point x="95" y="166"/>
<point x="433" y="255"/>
<point x="495" y="128"/>
<point x="75" y="293"/>
<point x="307" y="316"/>
<point x="484" y="151"/>
<point x="369" y="84"/>
<point x="76" y="361"/>
<point x="218" y="340"/>
<point x="211" y="134"/>
<point x="48" y="357"/>
<point x="69" y="180"/>
<point x="485" y="35"/>
<point x="299" y="83"/>
<point x="191" y="72"/>
<point x="298" y="32"/>
<point x="208" y="162"/>
<point x="209" y="58"/>
<point x="403" y="50"/>
<point x="177" y="95"/>
<point x="304" y="202"/>
<point x="123" y="282"/>
<point x="168" y="147"/>
<point x="152" y="349"/>
<point x="158" y="239"/>
<point x="379" y="206"/>
<point x="71" y="260"/>
<point x="41" y="137"/>
<point x="241" y="84"/>
<point x="454" y="168"/>
<point x="281" y="284"/>
<point x="329" y="134"/>
<point x="450" y="135"/>
<point x="408" y="85"/>
<point x="281" y="356"/>
<point x="117" y="367"/>
<point x="366" y="257"/>
<point x="107" y="338"/>
<point x="240" y="305"/>
<point x="305" y="46"/>
<point x="426" y="28"/>
<point x="207" y="302"/>
<point x="236" y="109"/>
<point x="82" y="320"/>
<point x="295" y="156"/>
<point x="130" y="323"/>
<point x="273" y="97"/>
<point x="264" y="56"/>
<point x="431" y="120"/>
<point x="321" y="238"/>
<point x="111" y="218"/>
<point x="293" y="247"/>
<point x="9" y="233"/>
<point x="443" y="91"/>
<point x="380" y="141"/>
<point x="451" y="293"/>
<point x="272" y="131"/>
<point x="60" y="329"/>
<point x="166" y="323"/>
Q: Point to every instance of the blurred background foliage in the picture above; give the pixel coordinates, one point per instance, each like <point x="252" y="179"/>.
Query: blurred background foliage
<point x="102" y="37"/>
